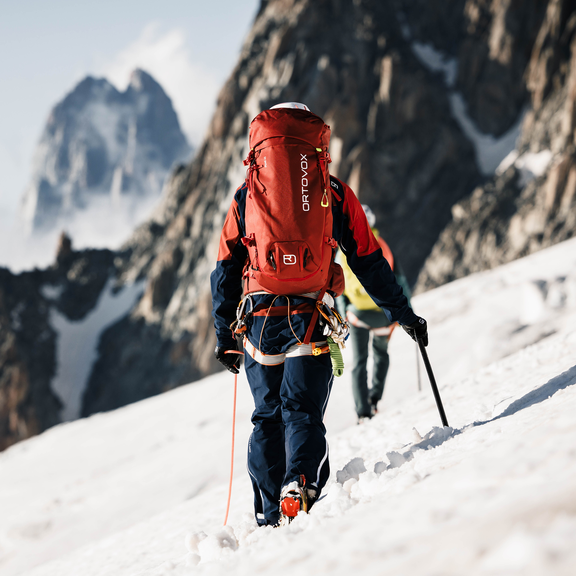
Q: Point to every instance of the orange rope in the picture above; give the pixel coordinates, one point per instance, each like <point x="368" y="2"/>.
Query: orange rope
<point x="232" y="458"/>
<point x="233" y="435"/>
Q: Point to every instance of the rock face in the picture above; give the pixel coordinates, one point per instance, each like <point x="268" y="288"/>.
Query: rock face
<point x="530" y="203"/>
<point x="27" y="353"/>
<point x="395" y="141"/>
<point x="102" y="144"/>
<point x="386" y="76"/>
<point x="28" y="341"/>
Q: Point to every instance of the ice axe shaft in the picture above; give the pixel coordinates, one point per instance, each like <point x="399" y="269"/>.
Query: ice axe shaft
<point x="433" y="383"/>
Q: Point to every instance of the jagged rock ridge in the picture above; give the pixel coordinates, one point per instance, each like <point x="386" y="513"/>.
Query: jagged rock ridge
<point x="28" y="340"/>
<point x="531" y="201"/>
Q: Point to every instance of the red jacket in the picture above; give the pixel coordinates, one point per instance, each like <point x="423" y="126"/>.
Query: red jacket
<point x="354" y="237"/>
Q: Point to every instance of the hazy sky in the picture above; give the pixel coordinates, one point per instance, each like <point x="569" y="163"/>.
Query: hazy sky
<point x="47" y="47"/>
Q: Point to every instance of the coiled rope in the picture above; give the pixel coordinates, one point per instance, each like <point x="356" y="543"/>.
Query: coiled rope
<point x="335" y="357"/>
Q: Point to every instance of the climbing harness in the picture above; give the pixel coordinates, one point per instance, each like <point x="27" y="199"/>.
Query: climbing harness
<point x="334" y="327"/>
<point x="243" y="317"/>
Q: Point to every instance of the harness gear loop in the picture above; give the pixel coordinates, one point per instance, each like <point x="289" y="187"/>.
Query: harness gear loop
<point x="335" y="326"/>
<point x="240" y="325"/>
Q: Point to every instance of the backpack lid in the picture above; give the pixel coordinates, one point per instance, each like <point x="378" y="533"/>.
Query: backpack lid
<point x="291" y="123"/>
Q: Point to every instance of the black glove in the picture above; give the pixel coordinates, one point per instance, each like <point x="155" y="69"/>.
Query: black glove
<point x="230" y="360"/>
<point x="417" y="330"/>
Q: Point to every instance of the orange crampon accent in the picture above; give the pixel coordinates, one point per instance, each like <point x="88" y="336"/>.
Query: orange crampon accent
<point x="290" y="507"/>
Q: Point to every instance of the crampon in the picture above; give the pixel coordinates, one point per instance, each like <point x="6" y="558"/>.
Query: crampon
<point x="293" y="499"/>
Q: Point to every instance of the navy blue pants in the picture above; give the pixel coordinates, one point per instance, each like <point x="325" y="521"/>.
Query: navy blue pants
<point x="289" y="434"/>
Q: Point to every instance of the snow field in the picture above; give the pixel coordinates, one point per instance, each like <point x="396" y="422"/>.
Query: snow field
<point x="496" y="495"/>
<point x="142" y="490"/>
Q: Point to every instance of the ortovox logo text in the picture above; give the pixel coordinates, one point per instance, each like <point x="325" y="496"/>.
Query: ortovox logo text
<point x="304" y="168"/>
<point x="289" y="259"/>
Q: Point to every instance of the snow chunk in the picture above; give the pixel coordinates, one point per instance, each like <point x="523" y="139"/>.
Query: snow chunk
<point x="380" y="467"/>
<point x="216" y="545"/>
<point x="397" y="459"/>
<point x="352" y="470"/>
<point x="336" y="502"/>
<point x="193" y="540"/>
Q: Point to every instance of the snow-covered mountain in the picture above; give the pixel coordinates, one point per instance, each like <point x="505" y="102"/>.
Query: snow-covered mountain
<point x="103" y="151"/>
<point x="143" y="489"/>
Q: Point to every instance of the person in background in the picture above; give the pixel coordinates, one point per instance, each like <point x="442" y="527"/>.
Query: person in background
<point x="369" y="327"/>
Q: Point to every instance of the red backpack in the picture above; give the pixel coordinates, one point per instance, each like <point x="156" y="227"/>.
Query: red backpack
<point x="288" y="213"/>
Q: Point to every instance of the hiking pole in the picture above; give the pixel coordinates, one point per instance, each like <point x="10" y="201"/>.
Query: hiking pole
<point x="418" y="369"/>
<point x="432" y="382"/>
<point x="233" y="434"/>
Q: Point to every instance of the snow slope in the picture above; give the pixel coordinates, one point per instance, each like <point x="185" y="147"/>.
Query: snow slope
<point x="142" y="490"/>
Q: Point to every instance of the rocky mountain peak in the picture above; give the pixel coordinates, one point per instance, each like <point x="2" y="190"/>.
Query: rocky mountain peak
<point x="141" y="81"/>
<point x="103" y="146"/>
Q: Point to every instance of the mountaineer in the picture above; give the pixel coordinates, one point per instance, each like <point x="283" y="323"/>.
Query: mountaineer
<point x="274" y="286"/>
<point x="370" y="329"/>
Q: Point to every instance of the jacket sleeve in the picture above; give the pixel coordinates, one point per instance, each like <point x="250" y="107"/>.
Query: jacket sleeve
<point x="226" y="279"/>
<point x="402" y="280"/>
<point x="364" y="256"/>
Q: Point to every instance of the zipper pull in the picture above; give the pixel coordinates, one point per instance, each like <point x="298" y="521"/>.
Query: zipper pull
<point x="325" y="202"/>
<point x="272" y="260"/>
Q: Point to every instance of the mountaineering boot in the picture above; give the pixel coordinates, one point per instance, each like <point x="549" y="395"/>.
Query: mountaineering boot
<point x="363" y="419"/>
<point x="293" y="498"/>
